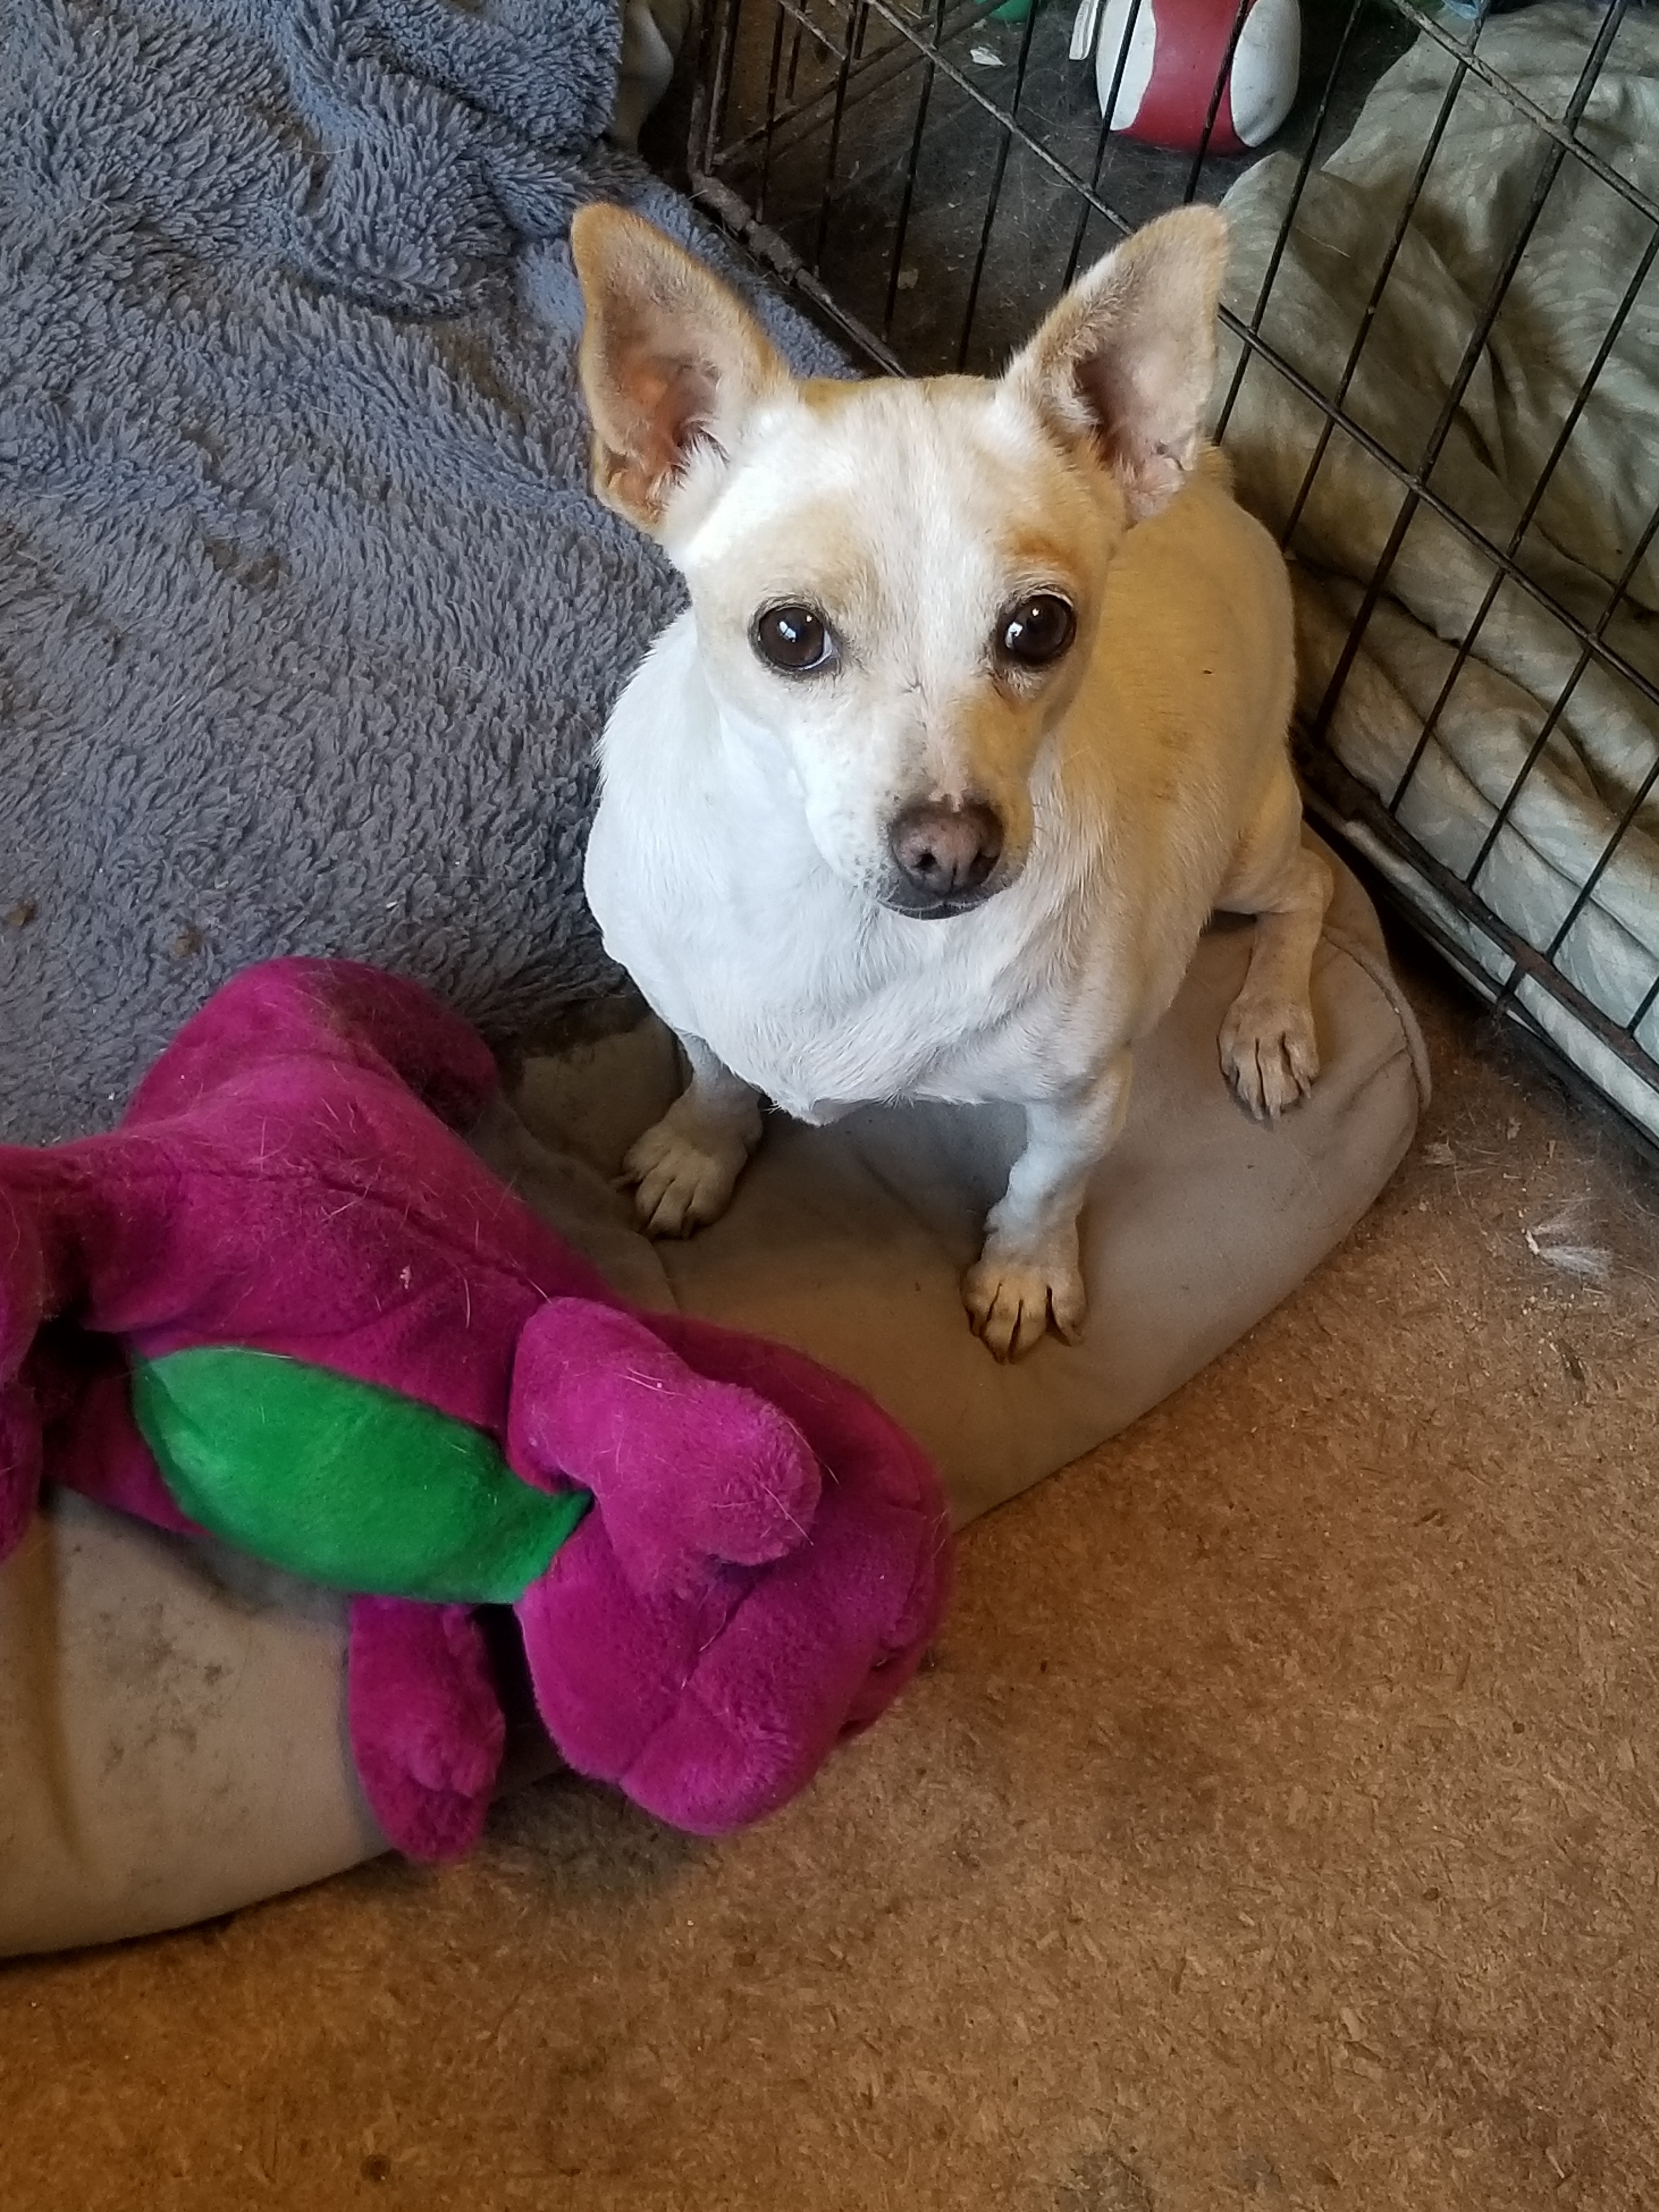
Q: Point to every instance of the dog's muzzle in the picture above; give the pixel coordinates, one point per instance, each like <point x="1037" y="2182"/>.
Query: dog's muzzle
<point x="945" y="856"/>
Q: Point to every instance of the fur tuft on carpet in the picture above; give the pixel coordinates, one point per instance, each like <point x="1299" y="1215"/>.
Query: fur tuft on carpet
<point x="308" y="619"/>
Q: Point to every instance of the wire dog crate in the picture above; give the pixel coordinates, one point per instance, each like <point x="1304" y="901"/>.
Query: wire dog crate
<point x="1441" y="385"/>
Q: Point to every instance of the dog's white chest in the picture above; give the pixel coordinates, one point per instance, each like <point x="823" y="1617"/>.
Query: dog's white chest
<point x="807" y="1007"/>
<point x="737" y="934"/>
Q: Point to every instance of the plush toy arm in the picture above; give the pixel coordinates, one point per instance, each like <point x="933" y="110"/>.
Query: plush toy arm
<point x="427" y="1728"/>
<point x="686" y="1473"/>
<point x="329" y="1010"/>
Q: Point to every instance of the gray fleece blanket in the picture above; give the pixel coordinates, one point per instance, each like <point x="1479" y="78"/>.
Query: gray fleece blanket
<point x="308" y="620"/>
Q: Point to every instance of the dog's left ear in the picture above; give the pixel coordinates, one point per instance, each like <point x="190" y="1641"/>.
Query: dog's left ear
<point x="670" y="360"/>
<point x="1125" y="363"/>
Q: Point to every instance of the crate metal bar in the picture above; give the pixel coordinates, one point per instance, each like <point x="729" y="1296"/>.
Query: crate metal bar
<point x="1466" y="645"/>
<point x="1368" y="313"/>
<point x="995" y="198"/>
<point x="1512" y="1009"/>
<point x="1102" y="137"/>
<point x="1305" y="170"/>
<point x="1235" y="33"/>
<point x="1637" y="800"/>
<point x="1563" y="699"/>
<point x="1352" y="801"/>
<point x="1564" y="134"/>
<point x="734" y="217"/>
<point x="780" y="20"/>
<point x="854" y="16"/>
<point x="886" y="66"/>
<point x="902" y="230"/>
<point x="1470" y="62"/>
<point x="1549" y="169"/>
<point x="965" y="84"/>
<point x="712" y="96"/>
<point x="1646" y="1007"/>
<point x="795" y="43"/>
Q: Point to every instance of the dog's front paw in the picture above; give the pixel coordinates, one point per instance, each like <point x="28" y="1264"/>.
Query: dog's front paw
<point x="1011" y="1297"/>
<point x="1269" y="1053"/>
<point x="682" y="1182"/>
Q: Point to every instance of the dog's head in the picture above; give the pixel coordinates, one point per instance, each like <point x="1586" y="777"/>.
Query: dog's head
<point x="897" y="584"/>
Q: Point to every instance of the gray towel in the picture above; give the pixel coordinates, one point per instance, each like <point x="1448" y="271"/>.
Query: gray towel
<point x="307" y="618"/>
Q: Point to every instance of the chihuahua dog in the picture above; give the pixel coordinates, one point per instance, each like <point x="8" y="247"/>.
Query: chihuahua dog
<point x="979" y="711"/>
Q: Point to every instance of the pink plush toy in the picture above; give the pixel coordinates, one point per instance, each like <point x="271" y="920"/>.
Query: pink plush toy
<point x="283" y="1303"/>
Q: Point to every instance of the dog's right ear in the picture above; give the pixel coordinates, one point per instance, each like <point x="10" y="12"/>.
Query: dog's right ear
<point x="1124" y="364"/>
<point x="671" y="361"/>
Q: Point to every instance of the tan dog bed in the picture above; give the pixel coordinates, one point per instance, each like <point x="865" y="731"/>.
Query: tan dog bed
<point x="172" y="1728"/>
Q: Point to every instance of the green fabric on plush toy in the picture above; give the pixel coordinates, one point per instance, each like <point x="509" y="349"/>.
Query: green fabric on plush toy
<point x="284" y="1302"/>
<point x="350" y="1485"/>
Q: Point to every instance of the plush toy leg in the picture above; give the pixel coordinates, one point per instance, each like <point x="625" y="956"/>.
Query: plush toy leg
<point x="97" y="1444"/>
<point x="426" y="1726"/>
<point x="74" y="1386"/>
<point x="688" y="1474"/>
<point x="331" y="1009"/>
<point x="24" y="1294"/>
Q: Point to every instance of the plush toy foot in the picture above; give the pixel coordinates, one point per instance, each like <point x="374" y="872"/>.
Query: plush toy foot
<point x="710" y="1706"/>
<point x="689" y="1473"/>
<point x="426" y="1723"/>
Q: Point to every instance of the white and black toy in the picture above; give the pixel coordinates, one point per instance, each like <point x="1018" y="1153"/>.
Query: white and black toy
<point x="1176" y="52"/>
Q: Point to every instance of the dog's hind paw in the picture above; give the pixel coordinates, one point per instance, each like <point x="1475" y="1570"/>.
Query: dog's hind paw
<point x="1011" y="1301"/>
<point x="1269" y="1053"/>
<point x="682" y="1182"/>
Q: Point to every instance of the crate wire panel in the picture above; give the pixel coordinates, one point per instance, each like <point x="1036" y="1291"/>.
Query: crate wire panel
<point x="929" y="179"/>
<point x="866" y="148"/>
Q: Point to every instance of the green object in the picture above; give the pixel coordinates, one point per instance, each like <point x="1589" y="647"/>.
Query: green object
<point x="1011" y="11"/>
<point x="345" y="1482"/>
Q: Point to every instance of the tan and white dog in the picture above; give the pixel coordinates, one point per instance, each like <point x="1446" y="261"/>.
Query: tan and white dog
<point x="978" y="712"/>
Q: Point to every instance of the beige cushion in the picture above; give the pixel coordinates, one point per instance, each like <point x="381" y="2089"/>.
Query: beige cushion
<point x="171" y="1721"/>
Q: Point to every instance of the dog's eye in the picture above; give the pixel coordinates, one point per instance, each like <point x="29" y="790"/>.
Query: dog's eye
<point x="1035" y="633"/>
<point x="794" y="640"/>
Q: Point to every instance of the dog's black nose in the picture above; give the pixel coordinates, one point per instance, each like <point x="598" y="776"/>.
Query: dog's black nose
<point x="945" y="851"/>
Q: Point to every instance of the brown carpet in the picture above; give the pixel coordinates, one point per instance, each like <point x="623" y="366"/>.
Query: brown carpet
<point x="1278" y="1822"/>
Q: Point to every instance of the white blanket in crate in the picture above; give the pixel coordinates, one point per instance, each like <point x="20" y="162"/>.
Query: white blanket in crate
<point x="1583" y="255"/>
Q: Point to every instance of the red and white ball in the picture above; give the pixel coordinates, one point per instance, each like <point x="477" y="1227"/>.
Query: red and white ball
<point x="1176" y="52"/>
